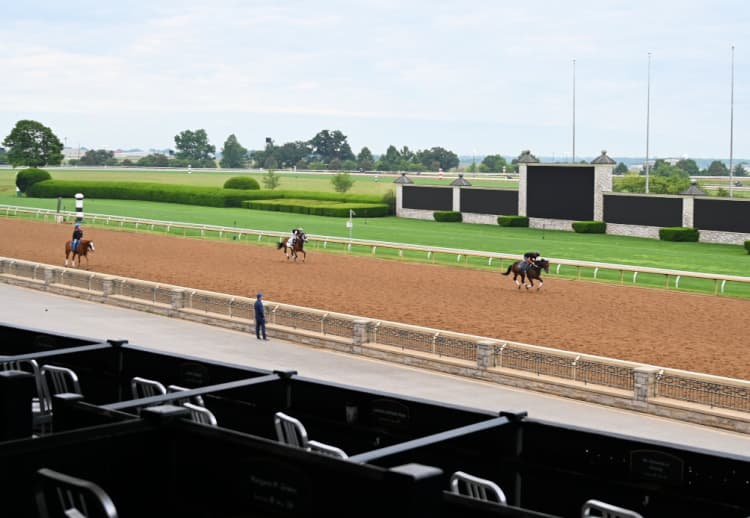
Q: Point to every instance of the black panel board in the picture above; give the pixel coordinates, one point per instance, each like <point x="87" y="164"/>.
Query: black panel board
<point x="428" y="198"/>
<point x="489" y="201"/>
<point x="652" y="211"/>
<point x="560" y="192"/>
<point x="724" y="215"/>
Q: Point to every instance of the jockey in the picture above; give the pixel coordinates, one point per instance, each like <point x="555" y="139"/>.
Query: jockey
<point x="529" y="259"/>
<point x="290" y="242"/>
<point x="77" y="236"/>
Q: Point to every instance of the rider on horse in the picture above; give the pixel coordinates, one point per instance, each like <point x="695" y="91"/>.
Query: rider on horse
<point x="296" y="232"/>
<point x="529" y="260"/>
<point x="77" y="236"/>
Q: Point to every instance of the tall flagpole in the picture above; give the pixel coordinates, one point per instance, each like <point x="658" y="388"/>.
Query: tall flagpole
<point x="731" y="131"/>
<point x="574" y="112"/>
<point x="648" y="114"/>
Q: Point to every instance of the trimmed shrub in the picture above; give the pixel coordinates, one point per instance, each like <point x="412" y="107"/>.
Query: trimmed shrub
<point x="447" y="216"/>
<point x="242" y="182"/>
<point x="185" y="194"/>
<point x="513" y="221"/>
<point x="747" y="246"/>
<point x="590" y="227"/>
<point x="319" y="208"/>
<point x="679" y="234"/>
<point x="28" y="177"/>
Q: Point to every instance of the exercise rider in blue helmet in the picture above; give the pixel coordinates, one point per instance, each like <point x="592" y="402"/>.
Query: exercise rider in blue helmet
<point x="77" y="236"/>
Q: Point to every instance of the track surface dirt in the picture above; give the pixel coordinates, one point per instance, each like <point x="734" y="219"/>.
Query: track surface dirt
<point x="701" y="333"/>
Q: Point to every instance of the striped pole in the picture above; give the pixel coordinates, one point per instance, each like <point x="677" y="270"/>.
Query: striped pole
<point x="79" y="208"/>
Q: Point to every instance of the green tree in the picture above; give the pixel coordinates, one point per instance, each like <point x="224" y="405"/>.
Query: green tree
<point x="342" y="182"/>
<point x="291" y="153"/>
<point x="3" y="156"/>
<point x="233" y="155"/>
<point x="193" y="146"/>
<point x="621" y="169"/>
<point x="271" y="179"/>
<point x="390" y="161"/>
<point x="493" y="164"/>
<point x="365" y="160"/>
<point x="447" y="160"/>
<point x="154" y="160"/>
<point x="33" y="144"/>
<point x="97" y="157"/>
<point x="717" y="168"/>
<point x="328" y="145"/>
<point x="739" y="170"/>
<point x="689" y="166"/>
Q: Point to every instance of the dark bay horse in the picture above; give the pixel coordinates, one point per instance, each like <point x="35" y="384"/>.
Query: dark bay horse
<point x="84" y="247"/>
<point x="533" y="271"/>
<point x="297" y="248"/>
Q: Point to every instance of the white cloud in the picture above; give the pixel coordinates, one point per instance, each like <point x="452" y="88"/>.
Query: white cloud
<point x="487" y="72"/>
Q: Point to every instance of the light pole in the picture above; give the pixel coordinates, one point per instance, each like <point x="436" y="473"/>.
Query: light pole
<point x="731" y="130"/>
<point x="574" y="112"/>
<point x="648" y="114"/>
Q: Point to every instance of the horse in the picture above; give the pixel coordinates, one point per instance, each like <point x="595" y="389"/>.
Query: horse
<point x="531" y="272"/>
<point x="298" y="247"/>
<point x="84" y="247"/>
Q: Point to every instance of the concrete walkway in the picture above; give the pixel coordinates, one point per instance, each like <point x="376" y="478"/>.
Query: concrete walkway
<point x="30" y="308"/>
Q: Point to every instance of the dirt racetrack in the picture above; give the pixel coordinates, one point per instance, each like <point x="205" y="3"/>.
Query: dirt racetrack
<point x="700" y="333"/>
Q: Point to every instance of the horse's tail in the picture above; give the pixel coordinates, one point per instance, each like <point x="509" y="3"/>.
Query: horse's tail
<point x="507" y="272"/>
<point x="279" y="245"/>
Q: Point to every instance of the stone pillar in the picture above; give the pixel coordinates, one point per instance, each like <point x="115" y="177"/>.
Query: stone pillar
<point x="522" y="186"/>
<point x="644" y="381"/>
<point x="399" y="198"/>
<point x="485" y="353"/>
<point x="107" y="285"/>
<point x="359" y="335"/>
<point x="602" y="184"/>
<point x="688" y="211"/>
<point x="178" y="299"/>
<point x="49" y="277"/>
<point x="456" y="207"/>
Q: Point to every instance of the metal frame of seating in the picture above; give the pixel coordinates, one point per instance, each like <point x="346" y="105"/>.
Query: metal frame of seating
<point x="605" y="510"/>
<point x="477" y="488"/>
<point x="196" y="400"/>
<point x="40" y="412"/>
<point x="143" y="387"/>
<point x="65" y="496"/>
<point x="201" y="414"/>
<point x="291" y="431"/>
<point x="327" y="449"/>
<point x="55" y="380"/>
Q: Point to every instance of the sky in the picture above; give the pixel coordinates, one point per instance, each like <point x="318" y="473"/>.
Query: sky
<point x="481" y="77"/>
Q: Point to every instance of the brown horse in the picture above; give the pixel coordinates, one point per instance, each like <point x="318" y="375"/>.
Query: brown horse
<point x="297" y="248"/>
<point x="84" y="247"/>
<point x="531" y="272"/>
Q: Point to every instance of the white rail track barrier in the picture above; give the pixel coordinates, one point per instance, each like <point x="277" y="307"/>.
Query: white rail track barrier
<point x="201" y="230"/>
<point x="700" y="398"/>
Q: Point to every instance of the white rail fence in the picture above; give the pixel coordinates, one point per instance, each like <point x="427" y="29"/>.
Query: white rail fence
<point x="195" y="229"/>
<point x="707" y="399"/>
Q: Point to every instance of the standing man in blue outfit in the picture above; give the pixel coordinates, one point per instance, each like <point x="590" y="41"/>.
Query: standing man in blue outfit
<point x="260" y="317"/>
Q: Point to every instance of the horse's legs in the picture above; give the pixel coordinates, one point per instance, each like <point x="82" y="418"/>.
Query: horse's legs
<point x="515" y="278"/>
<point x="66" y="257"/>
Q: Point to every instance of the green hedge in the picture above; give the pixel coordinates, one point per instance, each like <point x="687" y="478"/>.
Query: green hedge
<point x="320" y="208"/>
<point x="513" y="221"/>
<point x="185" y="194"/>
<point x="447" y="215"/>
<point x="28" y="177"/>
<point x="590" y="227"/>
<point x="242" y="182"/>
<point x="747" y="246"/>
<point x="679" y="234"/>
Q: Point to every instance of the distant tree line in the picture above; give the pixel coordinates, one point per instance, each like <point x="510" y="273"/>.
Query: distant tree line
<point x="32" y="144"/>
